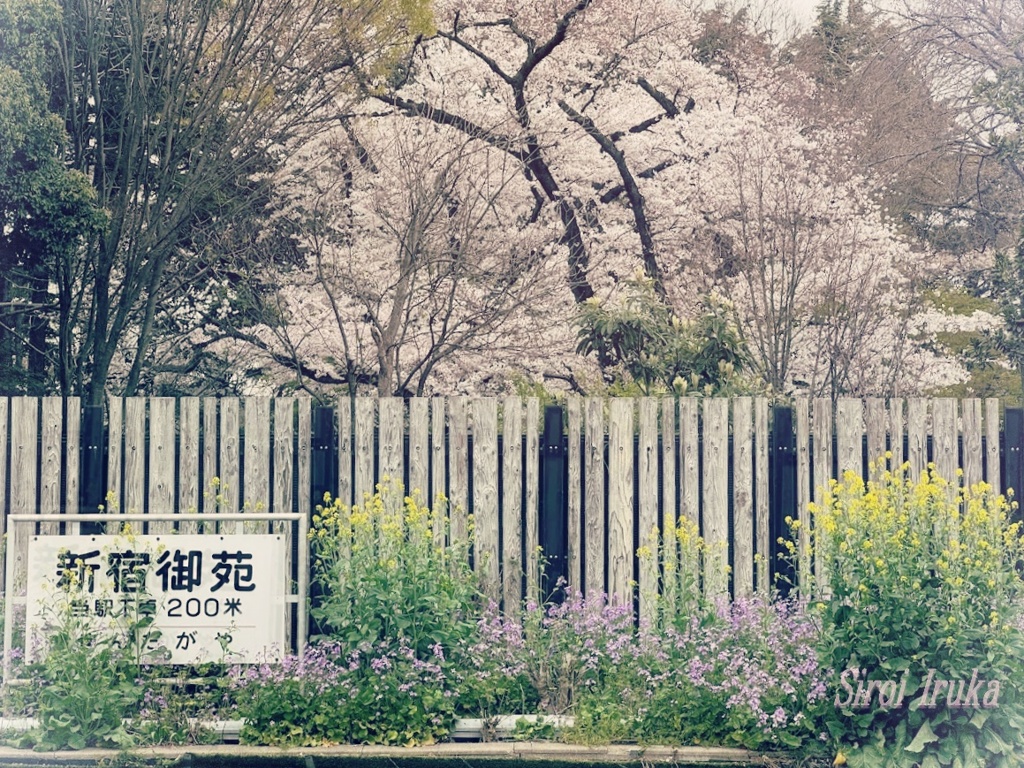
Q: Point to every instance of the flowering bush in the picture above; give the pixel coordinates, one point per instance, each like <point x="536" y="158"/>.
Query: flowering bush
<point x="394" y="604"/>
<point x="916" y="576"/>
<point x="386" y="574"/>
<point x="922" y="576"/>
<point x="741" y="674"/>
<point x="549" y="656"/>
<point x="373" y="694"/>
<point x="178" y="708"/>
<point x="699" y="672"/>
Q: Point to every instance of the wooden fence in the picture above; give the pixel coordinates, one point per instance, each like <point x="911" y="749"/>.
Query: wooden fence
<point x="590" y="484"/>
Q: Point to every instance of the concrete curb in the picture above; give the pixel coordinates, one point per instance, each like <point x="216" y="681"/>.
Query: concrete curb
<point x="317" y="757"/>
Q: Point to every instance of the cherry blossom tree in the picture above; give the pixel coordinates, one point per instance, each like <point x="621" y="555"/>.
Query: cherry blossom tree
<point x="822" y="283"/>
<point x="417" y="249"/>
<point x="531" y="156"/>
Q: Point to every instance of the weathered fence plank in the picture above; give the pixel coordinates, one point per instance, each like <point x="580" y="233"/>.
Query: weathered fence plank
<point x="944" y="438"/>
<point x="917" y="436"/>
<point x="485" y="492"/>
<point x="458" y="466"/>
<point x="115" y="459"/>
<point x="391" y="462"/>
<point x="419" y="448"/>
<point x="574" y="497"/>
<point x="620" y="499"/>
<point x="532" y="502"/>
<point x="284" y="458"/>
<point x="438" y="467"/>
<point x="822" y="473"/>
<point x="161" y="462"/>
<point x="283" y="474"/>
<point x="716" y="501"/>
<point x="762" y="506"/>
<point x="689" y="460"/>
<point x="992" y="474"/>
<point x="647" y="498"/>
<point x="512" y="507"/>
<point x="210" y="454"/>
<point x="849" y="432"/>
<point x="24" y="464"/>
<point x="743" y="497"/>
<point x="876" y="420"/>
<point x="366" y="415"/>
<point x="188" y="462"/>
<point x="669" y="471"/>
<point x="972" y="452"/>
<point x="689" y="471"/>
<point x="257" y="460"/>
<point x="305" y="451"/>
<point x="72" y="455"/>
<point x="50" y="463"/>
<point x="896" y="431"/>
<point x="343" y="409"/>
<point x="134" y="455"/>
<point x="594" y="571"/>
<point x="229" y="462"/>
<point x="803" y="493"/>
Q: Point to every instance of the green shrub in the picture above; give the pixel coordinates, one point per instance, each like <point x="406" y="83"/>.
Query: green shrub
<point x="921" y="576"/>
<point x="374" y="694"/>
<point x="385" y="574"/>
<point x="397" y="607"/>
<point x="86" y="685"/>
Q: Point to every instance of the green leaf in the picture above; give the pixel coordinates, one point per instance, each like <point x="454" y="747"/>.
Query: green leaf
<point x="924" y="736"/>
<point x="969" y="749"/>
<point x="978" y="721"/>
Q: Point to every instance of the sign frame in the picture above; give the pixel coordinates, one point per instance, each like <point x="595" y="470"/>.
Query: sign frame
<point x="297" y="594"/>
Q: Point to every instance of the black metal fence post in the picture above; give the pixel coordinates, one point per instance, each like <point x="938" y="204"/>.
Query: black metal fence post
<point x="324" y="467"/>
<point x="552" y="523"/>
<point x="782" y="497"/>
<point x="93" y="489"/>
<point x="1013" y="474"/>
<point x="324" y="479"/>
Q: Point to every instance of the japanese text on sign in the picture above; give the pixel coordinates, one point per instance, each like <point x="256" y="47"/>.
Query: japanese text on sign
<point x="212" y="597"/>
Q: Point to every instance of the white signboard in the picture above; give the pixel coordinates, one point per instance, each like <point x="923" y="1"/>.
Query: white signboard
<point x="213" y="598"/>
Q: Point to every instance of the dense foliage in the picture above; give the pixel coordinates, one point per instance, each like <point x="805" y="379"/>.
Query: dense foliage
<point x="917" y="581"/>
<point x="924" y="576"/>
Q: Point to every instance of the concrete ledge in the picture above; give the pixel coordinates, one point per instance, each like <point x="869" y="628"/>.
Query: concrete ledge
<point x="334" y="756"/>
